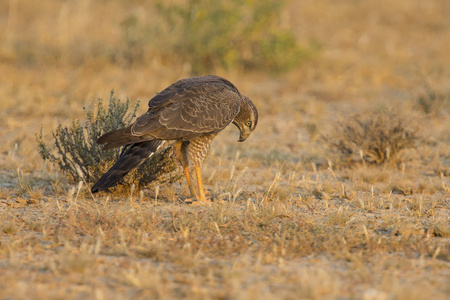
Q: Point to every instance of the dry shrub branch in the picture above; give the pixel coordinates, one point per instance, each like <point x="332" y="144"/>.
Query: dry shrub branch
<point x="375" y="137"/>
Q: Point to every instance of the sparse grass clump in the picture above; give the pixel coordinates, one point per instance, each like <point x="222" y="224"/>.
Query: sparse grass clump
<point x="374" y="138"/>
<point x="442" y="229"/>
<point x="9" y="228"/>
<point x="79" y="155"/>
<point x="432" y="102"/>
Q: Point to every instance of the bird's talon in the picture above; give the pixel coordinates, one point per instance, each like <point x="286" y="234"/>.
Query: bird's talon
<point x="193" y="201"/>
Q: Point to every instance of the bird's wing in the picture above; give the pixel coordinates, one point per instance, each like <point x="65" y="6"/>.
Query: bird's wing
<point x="189" y="108"/>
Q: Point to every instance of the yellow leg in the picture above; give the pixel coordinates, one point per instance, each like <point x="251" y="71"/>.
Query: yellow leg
<point x="188" y="179"/>
<point x="201" y="191"/>
<point x="178" y="154"/>
<point x="201" y="199"/>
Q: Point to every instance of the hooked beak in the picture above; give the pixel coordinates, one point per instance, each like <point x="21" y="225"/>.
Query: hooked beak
<point x="243" y="133"/>
<point x="243" y="137"/>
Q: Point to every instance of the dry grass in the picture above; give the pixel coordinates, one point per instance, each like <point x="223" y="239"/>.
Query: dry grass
<point x="293" y="222"/>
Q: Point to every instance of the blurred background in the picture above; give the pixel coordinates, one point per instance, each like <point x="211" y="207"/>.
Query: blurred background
<point x="302" y="62"/>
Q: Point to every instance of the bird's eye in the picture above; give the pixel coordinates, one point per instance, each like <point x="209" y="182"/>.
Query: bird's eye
<point x="248" y="124"/>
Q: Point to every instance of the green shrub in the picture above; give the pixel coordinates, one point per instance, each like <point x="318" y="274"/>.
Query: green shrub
<point x="228" y="34"/>
<point x="79" y="155"/>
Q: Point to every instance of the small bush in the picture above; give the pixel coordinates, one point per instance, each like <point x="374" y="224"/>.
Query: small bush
<point x="431" y="102"/>
<point x="238" y="33"/>
<point x="79" y="155"/>
<point x="374" y="138"/>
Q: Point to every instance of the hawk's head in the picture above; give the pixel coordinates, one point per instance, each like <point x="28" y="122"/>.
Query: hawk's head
<point x="247" y="119"/>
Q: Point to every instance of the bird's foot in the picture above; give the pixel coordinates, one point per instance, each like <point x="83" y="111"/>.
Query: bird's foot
<point x="207" y="201"/>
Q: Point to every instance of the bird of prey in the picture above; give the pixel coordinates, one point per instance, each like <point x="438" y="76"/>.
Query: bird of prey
<point x="190" y="112"/>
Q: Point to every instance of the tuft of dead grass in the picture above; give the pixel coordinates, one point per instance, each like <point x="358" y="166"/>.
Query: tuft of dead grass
<point x="441" y="229"/>
<point x="374" y="137"/>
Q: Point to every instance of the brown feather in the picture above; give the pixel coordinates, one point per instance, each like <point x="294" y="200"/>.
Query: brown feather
<point x="191" y="111"/>
<point x="117" y="138"/>
<point x="132" y="158"/>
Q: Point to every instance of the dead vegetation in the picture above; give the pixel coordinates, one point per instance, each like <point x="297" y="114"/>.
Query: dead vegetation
<point x="375" y="137"/>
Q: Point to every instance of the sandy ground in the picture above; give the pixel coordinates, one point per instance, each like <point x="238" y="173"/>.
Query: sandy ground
<point x="296" y="220"/>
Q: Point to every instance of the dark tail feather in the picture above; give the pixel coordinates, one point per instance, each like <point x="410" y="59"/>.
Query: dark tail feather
<point x="132" y="158"/>
<point x="119" y="137"/>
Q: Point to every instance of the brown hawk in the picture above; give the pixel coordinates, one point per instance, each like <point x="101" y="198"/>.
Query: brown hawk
<point x="190" y="112"/>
